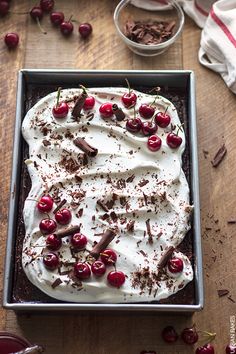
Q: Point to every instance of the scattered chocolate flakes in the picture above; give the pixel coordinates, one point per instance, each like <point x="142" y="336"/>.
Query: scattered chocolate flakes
<point x="102" y="205"/>
<point x="148" y="226"/>
<point x="148" y="32"/>
<point x="222" y="292"/>
<point x="80" y="213"/>
<point x="110" y="204"/>
<point x="59" y="206"/>
<point x="219" y="156"/>
<point x="130" y="179"/>
<point x="79" y="180"/>
<point x="143" y="182"/>
<point x="165" y="257"/>
<point x="123" y="201"/>
<point x="46" y="142"/>
<point x="232" y="221"/>
<point x="143" y="253"/>
<point x="85" y="147"/>
<point x="56" y="283"/>
<point x="130" y="226"/>
<point x="113" y="216"/>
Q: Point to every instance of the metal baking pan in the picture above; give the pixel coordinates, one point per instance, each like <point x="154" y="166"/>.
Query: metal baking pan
<point x="181" y="79"/>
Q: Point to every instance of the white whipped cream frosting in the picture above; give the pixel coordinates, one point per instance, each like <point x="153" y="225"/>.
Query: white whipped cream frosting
<point x="121" y="154"/>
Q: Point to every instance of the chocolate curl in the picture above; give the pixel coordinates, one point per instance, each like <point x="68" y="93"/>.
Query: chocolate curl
<point x="106" y="238"/>
<point x="102" y="205"/>
<point x="76" y="112"/>
<point x="85" y="147"/>
<point x="165" y="257"/>
<point x="60" y="205"/>
<point x="119" y="114"/>
<point x="219" y="156"/>
<point x="68" y="231"/>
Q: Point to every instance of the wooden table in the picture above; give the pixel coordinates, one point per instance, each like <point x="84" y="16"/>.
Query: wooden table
<point x="216" y="106"/>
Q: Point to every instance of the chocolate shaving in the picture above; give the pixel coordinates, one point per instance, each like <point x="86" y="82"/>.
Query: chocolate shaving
<point x="130" y="225"/>
<point x="113" y="216"/>
<point x="148" y="226"/>
<point x="57" y="282"/>
<point x="232" y="221"/>
<point x="165" y="257"/>
<point x="106" y="238"/>
<point x="119" y="114"/>
<point x="102" y="205"/>
<point x="222" y="292"/>
<point x="68" y="231"/>
<point x="76" y="112"/>
<point x="130" y="179"/>
<point x="46" y="142"/>
<point x="85" y="147"/>
<point x="60" y="205"/>
<point x="219" y="156"/>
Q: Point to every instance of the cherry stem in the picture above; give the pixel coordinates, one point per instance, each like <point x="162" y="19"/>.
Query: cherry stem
<point x="75" y="21"/>
<point x="134" y="113"/>
<point x="70" y="18"/>
<point x="58" y="95"/>
<point x="180" y="127"/>
<point x="166" y="109"/>
<point x="128" y="84"/>
<point x="84" y="89"/>
<point x="153" y="101"/>
<point x="210" y="336"/>
<point x="40" y="27"/>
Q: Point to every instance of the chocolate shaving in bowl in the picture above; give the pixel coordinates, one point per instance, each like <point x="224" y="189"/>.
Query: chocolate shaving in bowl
<point x="219" y="156"/>
<point x="149" y="32"/>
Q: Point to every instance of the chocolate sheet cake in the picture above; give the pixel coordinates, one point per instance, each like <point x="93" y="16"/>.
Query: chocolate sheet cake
<point x="24" y="290"/>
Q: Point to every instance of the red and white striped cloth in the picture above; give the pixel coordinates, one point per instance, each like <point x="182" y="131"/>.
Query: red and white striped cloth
<point x="218" y="40"/>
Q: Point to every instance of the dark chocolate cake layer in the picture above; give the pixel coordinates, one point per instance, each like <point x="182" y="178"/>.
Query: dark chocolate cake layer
<point x="23" y="290"/>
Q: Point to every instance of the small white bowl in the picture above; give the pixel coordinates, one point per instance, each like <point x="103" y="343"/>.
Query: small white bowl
<point x="152" y="11"/>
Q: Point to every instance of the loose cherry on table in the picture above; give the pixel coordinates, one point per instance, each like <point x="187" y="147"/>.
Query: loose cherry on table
<point x="57" y="18"/>
<point x="47" y="5"/>
<point x="106" y="110"/>
<point x="47" y="226"/>
<point x="116" y="278"/>
<point x="162" y="119"/>
<point x="146" y="110"/>
<point x="169" y="334"/>
<point x="98" y="268"/>
<point x="53" y="242"/>
<point x="61" y="109"/>
<point x="63" y="216"/>
<point x="205" y="349"/>
<point x="129" y="98"/>
<point x="154" y="143"/>
<point x="173" y="140"/>
<point x="4" y="8"/>
<point x="149" y="128"/>
<point x="82" y="270"/>
<point x="175" y="265"/>
<point x="11" y="40"/>
<point x="45" y="204"/>
<point x="51" y="260"/>
<point x="89" y="103"/>
<point x="134" y="125"/>
<point x="108" y="257"/>
<point x="85" y="30"/>
<point x="189" y="335"/>
<point x="66" y="27"/>
<point x="230" y="349"/>
<point x="79" y="241"/>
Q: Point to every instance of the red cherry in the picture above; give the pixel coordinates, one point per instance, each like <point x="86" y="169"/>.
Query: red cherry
<point x="230" y="349"/>
<point x="79" y="241"/>
<point x="82" y="270"/>
<point x="85" y="29"/>
<point x="162" y="119"/>
<point x="57" y="18"/>
<point x="206" y="349"/>
<point x="116" y="278"/>
<point x="61" y="110"/>
<point x="11" y="40"/>
<point x="108" y="257"/>
<point x="98" y="268"/>
<point x="46" y="5"/>
<point x="189" y="335"/>
<point x="134" y="125"/>
<point x="106" y="110"/>
<point x="47" y="226"/>
<point x="36" y="13"/>
<point x="129" y="99"/>
<point x="66" y="28"/>
<point x="146" y="111"/>
<point x="63" y="216"/>
<point x="89" y="103"/>
<point x="154" y="143"/>
<point x="173" y="140"/>
<point x="45" y="204"/>
<point x="53" y="242"/>
<point x="175" y="265"/>
<point x="149" y="128"/>
<point x="4" y="8"/>
<point x="51" y="260"/>
<point x="169" y="334"/>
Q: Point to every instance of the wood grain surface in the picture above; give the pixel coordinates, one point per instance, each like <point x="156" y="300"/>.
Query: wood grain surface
<point x="122" y="333"/>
